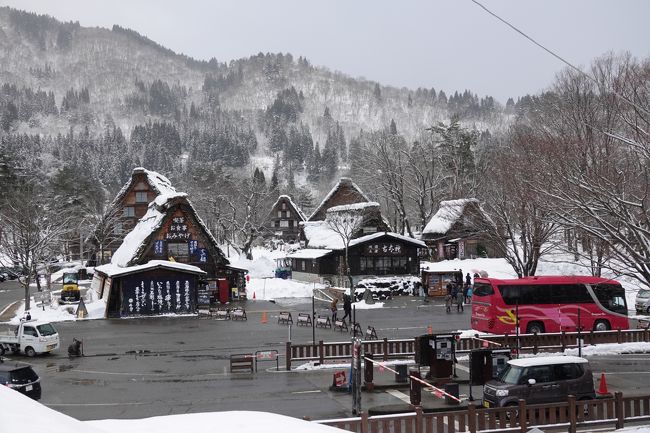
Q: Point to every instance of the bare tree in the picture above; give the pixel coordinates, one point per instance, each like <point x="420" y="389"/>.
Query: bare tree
<point x="525" y="228"/>
<point x="32" y="234"/>
<point x="601" y="185"/>
<point x="346" y="221"/>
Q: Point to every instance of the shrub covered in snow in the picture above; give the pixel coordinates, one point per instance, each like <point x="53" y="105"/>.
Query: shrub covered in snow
<point x="387" y="287"/>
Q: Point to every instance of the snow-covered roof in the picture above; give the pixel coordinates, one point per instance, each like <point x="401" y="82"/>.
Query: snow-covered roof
<point x="391" y="235"/>
<point x="547" y="360"/>
<point x="448" y="214"/>
<point x="136" y="239"/>
<point x="309" y="253"/>
<point x="293" y="204"/>
<point x="342" y="181"/>
<point x="353" y="206"/>
<point x="159" y="183"/>
<point x="112" y="270"/>
<point x="319" y="234"/>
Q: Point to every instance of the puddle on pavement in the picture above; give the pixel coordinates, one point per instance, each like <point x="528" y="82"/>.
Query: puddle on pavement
<point x="62" y="368"/>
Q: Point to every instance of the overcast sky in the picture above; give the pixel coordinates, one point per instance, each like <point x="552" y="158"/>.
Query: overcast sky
<point x="445" y="44"/>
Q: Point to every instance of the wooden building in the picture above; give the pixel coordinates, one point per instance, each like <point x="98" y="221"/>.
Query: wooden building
<point x="343" y="193"/>
<point x="461" y="229"/>
<point x="373" y="249"/>
<point x="126" y="209"/>
<point x="284" y="220"/>
<point x="156" y="288"/>
<point x="377" y="254"/>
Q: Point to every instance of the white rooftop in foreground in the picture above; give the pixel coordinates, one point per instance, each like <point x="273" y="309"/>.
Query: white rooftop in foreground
<point x="24" y="415"/>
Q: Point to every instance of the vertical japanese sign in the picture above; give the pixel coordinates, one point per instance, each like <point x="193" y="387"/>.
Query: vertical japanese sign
<point x="194" y="245"/>
<point x="461" y="249"/>
<point x="202" y="254"/>
<point x="159" y="248"/>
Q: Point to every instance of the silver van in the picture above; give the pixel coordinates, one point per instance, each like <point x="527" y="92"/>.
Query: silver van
<point x="642" y="303"/>
<point x="543" y="379"/>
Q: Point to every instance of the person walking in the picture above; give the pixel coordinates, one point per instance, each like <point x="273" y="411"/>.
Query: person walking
<point x="448" y="298"/>
<point x="334" y="309"/>
<point x="347" y="308"/>
<point x="465" y="291"/>
<point x="468" y="280"/>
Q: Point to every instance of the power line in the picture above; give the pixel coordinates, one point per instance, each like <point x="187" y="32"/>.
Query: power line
<point x="566" y="62"/>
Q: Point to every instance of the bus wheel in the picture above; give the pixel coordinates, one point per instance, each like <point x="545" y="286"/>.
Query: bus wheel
<point x="602" y="325"/>
<point x="535" y="328"/>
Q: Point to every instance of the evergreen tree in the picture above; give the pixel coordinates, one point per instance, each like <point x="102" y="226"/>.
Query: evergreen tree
<point x="377" y="92"/>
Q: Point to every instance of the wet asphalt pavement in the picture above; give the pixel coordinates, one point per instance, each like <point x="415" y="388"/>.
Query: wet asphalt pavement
<point x="135" y="368"/>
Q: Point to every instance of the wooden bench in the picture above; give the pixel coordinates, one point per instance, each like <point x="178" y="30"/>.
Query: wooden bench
<point x="371" y="334"/>
<point x="238" y="314"/>
<point x="221" y="314"/>
<point x="285" y="318"/>
<point x="323" y="322"/>
<point x="304" y="319"/>
<point x="340" y="325"/>
<point x="242" y="362"/>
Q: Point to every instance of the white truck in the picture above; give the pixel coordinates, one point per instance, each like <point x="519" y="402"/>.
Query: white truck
<point x="30" y="337"/>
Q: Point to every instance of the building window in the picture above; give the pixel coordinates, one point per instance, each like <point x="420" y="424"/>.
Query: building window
<point x="129" y="211"/>
<point x="284" y="223"/>
<point x="118" y="229"/>
<point x="179" y="251"/>
<point x="277" y="223"/>
<point x="290" y="223"/>
<point x="141" y="197"/>
<point x="302" y="264"/>
<point x="284" y="206"/>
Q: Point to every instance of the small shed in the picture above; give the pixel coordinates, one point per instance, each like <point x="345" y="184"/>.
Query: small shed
<point x="158" y="287"/>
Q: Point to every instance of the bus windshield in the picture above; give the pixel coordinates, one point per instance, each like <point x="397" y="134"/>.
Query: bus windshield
<point x="612" y="297"/>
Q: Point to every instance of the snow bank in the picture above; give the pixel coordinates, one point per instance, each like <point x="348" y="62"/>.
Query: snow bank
<point x="22" y="414"/>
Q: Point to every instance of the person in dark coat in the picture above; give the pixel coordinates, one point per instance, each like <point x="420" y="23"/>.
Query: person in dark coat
<point x="468" y="280"/>
<point x="347" y="308"/>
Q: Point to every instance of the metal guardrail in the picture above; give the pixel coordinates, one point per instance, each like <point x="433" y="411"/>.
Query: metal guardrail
<point x="568" y="416"/>
<point x="393" y="349"/>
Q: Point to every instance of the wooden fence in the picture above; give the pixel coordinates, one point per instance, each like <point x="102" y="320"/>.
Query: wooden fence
<point x="567" y="416"/>
<point x="393" y="349"/>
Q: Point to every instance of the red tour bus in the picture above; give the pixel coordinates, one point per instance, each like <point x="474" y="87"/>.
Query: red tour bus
<point x="548" y="304"/>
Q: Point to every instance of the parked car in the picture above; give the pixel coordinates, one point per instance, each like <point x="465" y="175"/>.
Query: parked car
<point x="21" y="377"/>
<point x="544" y="379"/>
<point x="642" y="303"/>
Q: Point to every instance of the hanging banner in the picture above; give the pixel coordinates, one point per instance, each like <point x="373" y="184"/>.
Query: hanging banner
<point x="202" y="254"/>
<point x="159" y="248"/>
<point x="194" y="245"/>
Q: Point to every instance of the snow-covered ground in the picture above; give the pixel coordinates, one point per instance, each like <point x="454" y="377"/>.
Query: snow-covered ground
<point x="22" y="414"/>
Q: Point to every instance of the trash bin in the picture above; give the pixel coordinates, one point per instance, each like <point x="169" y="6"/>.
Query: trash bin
<point x="452" y="388"/>
<point x="400" y="376"/>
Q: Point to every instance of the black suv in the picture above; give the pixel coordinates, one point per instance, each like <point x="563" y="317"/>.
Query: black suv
<point x="20" y="377"/>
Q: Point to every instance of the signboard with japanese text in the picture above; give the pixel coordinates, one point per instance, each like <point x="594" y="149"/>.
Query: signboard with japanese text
<point x="202" y="254"/>
<point x="159" y="248"/>
<point x="384" y="249"/>
<point x="178" y="230"/>
<point x="158" y="295"/>
<point x="194" y="245"/>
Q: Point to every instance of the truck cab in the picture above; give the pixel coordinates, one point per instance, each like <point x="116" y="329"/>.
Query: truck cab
<point x="30" y="337"/>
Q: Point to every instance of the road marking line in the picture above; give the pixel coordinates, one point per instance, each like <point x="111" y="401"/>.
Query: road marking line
<point x="307" y="392"/>
<point x="462" y="367"/>
<point x="8" y="307"/>
<point x="398" y="394"/>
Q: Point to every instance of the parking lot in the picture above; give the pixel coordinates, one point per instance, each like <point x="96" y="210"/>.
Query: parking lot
<point x="136" y="368"/>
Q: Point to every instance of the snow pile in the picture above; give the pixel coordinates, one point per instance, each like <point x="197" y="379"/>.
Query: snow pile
<point x="353" y="207"/>
<point x="276" y="288"/>
<point x="319" y="234"/>
<point x="61" y="312"/>
<point x="22" y="414"/>
<point x="387" y="287"/>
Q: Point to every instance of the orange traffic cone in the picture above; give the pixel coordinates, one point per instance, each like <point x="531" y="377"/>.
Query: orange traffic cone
<point x="264" y="317"/>
<point x="429" y="330"/>
<point x="602" y="388"/>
